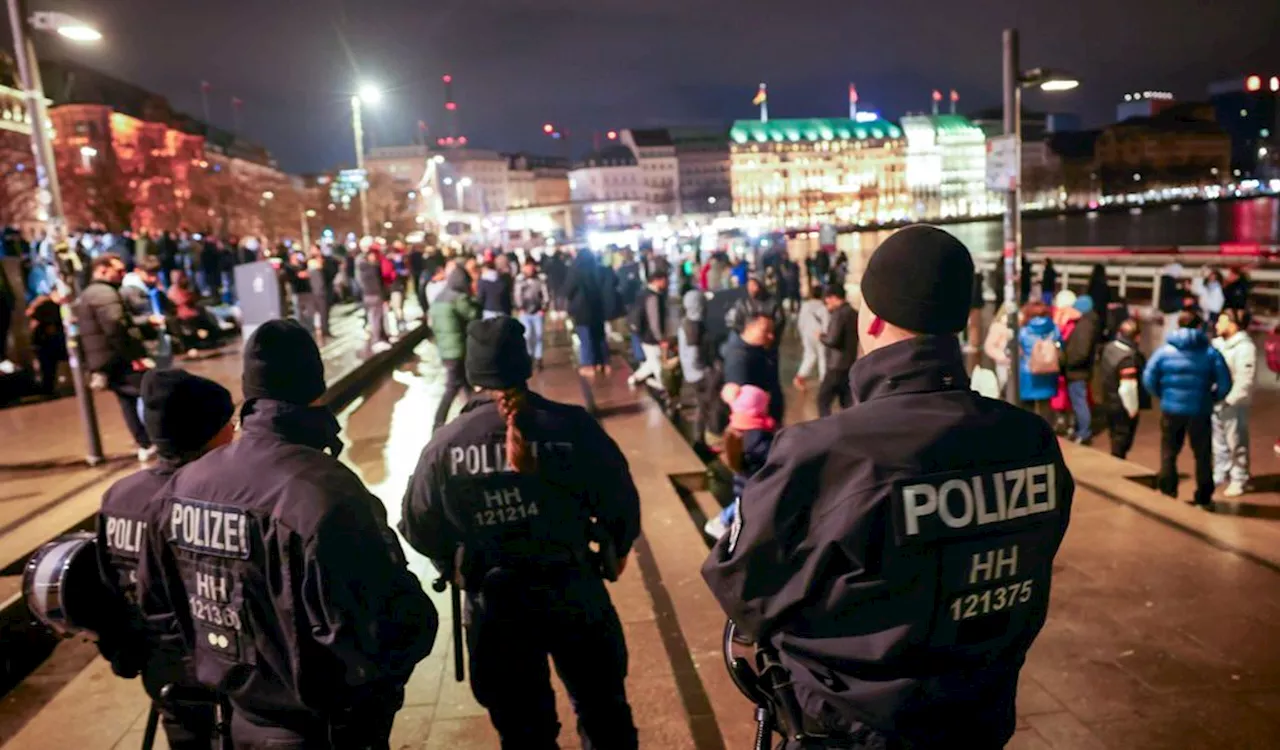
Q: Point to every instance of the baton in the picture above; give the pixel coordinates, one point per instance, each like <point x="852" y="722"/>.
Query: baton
<point x="455" y="601"/>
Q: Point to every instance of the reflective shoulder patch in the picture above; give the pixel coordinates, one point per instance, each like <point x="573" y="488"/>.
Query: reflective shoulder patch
<point x="974" y="503"/>
<point x="735" y="529"/>
<point x="209" y="528"/>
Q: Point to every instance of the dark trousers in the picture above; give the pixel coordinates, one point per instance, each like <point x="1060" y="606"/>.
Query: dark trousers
<point x="375" y="310"/>
<point x="1123" y="429"/>
<point x="1174" y="430"/>
<point x="515" y="624"/>
<point x="593" y="350"/>
<point x="50" y="352"/>
<point x="834" y="387"/>
<point x="372" y="732"/>
<point x="129" y="402"/>
<point x="455" y="381"/>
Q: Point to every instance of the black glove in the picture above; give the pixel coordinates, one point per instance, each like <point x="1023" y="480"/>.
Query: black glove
<point x="126" y="654"/>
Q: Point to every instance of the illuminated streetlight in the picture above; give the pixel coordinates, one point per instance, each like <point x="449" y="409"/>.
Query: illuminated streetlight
<point x="712" y="200"/>
<point x="49" y="193"/>
<point x="438" y="159"/>
<point x="548" y="128"/>
<point x="1015" y="80"/>
<point x="268" y="195"/>
<point x="448" y="180"/>
<point x="466" y="182"/>
<point x="369" y="93"/>
<point x="65" y="25"/>
<point x="88" y="151"/>
<point x="311" y="213"/>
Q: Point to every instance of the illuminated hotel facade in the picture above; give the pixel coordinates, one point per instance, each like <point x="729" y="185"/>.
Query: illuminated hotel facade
<point x="946" y="163"/>
<point x="803" y="173"/>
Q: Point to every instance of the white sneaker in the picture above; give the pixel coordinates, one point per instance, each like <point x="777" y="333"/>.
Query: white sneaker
<point x="146" y="454"/>
<point x="714" y="528"/>
<point x="1235" y="489"/>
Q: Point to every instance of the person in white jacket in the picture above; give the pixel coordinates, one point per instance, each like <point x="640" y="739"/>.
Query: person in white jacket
<point x="1231" y="417"/>
<point x="811" y="323"/>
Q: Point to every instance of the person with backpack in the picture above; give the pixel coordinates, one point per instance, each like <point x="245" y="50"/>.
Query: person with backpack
<point x="1189" y="377"/>
<point x="1038" y="365"/>
<point x="1231" y="417"/>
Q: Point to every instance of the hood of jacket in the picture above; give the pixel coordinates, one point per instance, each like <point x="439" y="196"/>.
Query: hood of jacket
<point x="1188" y="339"/>
<point x="1237" y="340"/>
<point x="1040" y="325"/>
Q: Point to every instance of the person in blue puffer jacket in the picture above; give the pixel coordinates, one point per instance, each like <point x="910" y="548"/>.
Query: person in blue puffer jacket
<point x="1188" y="376"/>
<point x="1035" y="389"/>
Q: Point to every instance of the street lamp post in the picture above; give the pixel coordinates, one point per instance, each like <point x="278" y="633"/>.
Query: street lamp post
<point x="368" y="94"/>
<point x="49" y="193"/>
<point x="1015" y="80"/>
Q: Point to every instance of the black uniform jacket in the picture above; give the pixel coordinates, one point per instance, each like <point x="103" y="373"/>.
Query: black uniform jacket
<point x="272" y="561"/>
<point x="898" y="554"/>
<point x="464" y="492"/>
<point x="127" y="508"/>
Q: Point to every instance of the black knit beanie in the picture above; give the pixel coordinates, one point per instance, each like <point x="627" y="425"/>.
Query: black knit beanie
<point x="183" y="412"/>
<point x="282" y="363"/>
<point x="497" y="357"/>
<point x="920" y="279"/>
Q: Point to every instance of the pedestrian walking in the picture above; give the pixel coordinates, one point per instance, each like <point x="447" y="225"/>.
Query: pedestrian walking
<point x="506" y="502"/>
<point x="1231" y="416"/>
<point x="1120" y="367"/>
<point x="495" y="289"/>
<point x="271" y="564"/>
<point x="1038" y="360"/>
<point x="1078" y="354"/>
<point x="374" y="297"/>
<point x="186" y="416"/>
<point x="841" y="343"/>
<point x="532" y="300"/>
<point x="811" y="323"/>
<point x="113" y="348"/>
<point x="696" y="360"/>
<point x="584" y="302"/>
<point x="321" y="285"/>
<point x="869" y="515"/>
<point x="450" y="313"/>
<point x="650" y="323"/>
<point x="1188" y="376"/>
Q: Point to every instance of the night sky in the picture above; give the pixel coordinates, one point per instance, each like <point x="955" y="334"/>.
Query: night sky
<point x="598" y="64"/>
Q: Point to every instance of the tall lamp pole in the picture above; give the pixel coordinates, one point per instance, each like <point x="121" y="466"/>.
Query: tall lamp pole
<point x="368" y="94"/>
<point x="1015" y="80"/>
<point x="49" y="193"/>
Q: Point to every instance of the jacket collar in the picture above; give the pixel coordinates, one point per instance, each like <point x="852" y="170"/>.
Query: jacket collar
<point x="312" y="426"/>
<point x="923" y="364"/>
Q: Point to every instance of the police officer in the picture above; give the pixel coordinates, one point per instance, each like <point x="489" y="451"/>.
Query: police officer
<point x="274" y="564"/>
<point x="505" y="501"/>
<point x="897" y="555"/>
<point x="185" y="416"/>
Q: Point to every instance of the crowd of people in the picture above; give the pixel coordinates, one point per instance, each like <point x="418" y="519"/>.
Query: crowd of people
<point x="1081" y="356"/>
<point x="302" y="614"/>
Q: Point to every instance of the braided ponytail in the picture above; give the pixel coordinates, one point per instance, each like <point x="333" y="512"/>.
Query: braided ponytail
<point x="511" y="405"/>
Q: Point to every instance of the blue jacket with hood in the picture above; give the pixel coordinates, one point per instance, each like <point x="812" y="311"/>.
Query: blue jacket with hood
<point x="1032" y="387"/>
<point x="1187" y="375"/>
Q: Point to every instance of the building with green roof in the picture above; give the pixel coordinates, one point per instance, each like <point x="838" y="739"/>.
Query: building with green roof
<point x="946" y="162"/>
<point x="803" y="173"/>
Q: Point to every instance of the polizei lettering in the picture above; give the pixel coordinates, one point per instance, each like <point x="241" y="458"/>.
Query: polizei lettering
<point x="958" y="505"/>
<point x="124" y="535"/>
<point x="209" y="529"/>
<point x="491" y="458"/>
